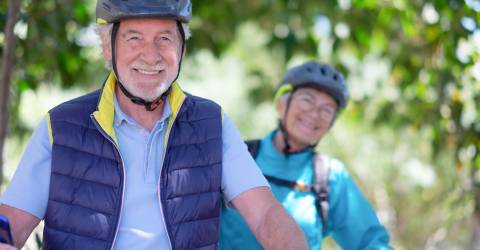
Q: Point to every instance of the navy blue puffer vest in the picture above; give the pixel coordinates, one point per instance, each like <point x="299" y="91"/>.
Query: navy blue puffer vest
<point x="86" y="185"/>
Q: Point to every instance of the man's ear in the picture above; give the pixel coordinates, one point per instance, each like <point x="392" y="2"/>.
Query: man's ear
<point x="184" y="51"/>
<point x="106" y="50"/>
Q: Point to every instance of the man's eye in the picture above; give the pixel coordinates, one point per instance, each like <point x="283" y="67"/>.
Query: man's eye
<point x="132" y="37"/>
<point x="306" y="99"/>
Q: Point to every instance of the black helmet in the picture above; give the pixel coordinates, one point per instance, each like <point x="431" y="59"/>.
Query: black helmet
<point x="316" y="75"/>
<point x="111" y="11"/>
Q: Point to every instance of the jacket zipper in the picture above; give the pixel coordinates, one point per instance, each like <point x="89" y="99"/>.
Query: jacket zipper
<point x="123" y="174"/>
<point x="161" y="205"/>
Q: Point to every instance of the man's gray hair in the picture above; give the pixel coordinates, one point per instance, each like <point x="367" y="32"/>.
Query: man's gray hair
<point x="104" y="31"/>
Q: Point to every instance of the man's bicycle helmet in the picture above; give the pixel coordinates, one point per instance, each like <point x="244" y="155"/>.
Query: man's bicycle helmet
<point x="112" y="11"/>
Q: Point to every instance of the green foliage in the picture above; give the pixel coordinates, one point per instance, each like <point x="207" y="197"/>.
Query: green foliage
<point x="426" y="88"/>
<point x="47" y="51"/>
<point x="420" y="49"/>
<point x="412" y="67"/>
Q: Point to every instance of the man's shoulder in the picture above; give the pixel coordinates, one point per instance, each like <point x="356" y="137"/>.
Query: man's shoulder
<point x="201" y="100"/>
<point x="84" y="103"/>
<point x="201" y="108"/>
<point x="77" y="109"/>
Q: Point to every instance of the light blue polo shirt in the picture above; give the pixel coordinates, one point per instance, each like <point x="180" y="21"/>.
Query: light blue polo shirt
<point x="141" y="224"/>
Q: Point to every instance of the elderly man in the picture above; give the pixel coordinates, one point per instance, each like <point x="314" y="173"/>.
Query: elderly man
<point x="139" y="164"/>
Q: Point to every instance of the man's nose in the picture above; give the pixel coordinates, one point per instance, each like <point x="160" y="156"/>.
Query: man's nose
<point x="151" y="53"/>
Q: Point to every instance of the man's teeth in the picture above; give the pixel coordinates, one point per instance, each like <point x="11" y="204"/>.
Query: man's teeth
<point x="146" y="72"/>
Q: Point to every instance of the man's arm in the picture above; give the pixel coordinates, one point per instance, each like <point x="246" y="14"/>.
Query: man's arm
<point x="21" y="224"/>
<point x="26" y="197"/>
<point x="268" y="220"/>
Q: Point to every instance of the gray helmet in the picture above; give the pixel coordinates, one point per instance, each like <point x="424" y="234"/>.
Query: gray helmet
<point x="316" y="75"/>
<point x="111" y="11"/>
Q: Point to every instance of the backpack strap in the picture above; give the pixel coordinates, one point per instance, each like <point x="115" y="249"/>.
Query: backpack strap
<point x="297" y="185"/>
<point x="253" y="147"/>
<point x="321" y="167"/>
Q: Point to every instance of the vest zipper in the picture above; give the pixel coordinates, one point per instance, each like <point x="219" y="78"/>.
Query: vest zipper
<point x="123" y="174"/>
<point x="162" y="208"/>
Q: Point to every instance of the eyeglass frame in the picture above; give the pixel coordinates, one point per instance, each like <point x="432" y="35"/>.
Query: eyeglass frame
<point x="306" y="103"/>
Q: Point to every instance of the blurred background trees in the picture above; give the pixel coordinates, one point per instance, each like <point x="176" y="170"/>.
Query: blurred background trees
<point x="411" y="133"/>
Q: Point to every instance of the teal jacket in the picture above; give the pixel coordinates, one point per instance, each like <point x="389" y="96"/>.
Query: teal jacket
<point x="352" y="221"/>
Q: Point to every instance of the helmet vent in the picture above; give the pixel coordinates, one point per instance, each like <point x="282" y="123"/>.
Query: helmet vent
<point x="106" y="6"/>
<point x="335" y="77"/>
<point x="323" y="71"/>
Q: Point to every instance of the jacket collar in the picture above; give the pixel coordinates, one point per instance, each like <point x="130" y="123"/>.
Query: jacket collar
<point x="105" y="112"/>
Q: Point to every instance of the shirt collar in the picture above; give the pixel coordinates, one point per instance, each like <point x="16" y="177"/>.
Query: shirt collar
<point x="121" y="116"/>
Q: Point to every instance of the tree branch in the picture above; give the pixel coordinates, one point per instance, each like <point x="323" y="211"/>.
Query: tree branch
<point x="8" y="62"/>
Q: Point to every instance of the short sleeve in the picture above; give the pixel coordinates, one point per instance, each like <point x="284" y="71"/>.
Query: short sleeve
<point x="240" y="172"/>
<point x="29" y="187"/>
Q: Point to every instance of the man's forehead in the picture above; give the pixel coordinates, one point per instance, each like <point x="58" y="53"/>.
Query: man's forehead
<point x="148" y="23"/>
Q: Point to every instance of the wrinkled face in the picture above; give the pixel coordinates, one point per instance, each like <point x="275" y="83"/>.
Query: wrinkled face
<point x="147" y="55"/>
<point x="309" y="116"/>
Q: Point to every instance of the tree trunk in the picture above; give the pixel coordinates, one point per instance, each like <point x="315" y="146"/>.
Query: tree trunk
<point x="6" y="74"/>
<point x="475" y="233"/>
